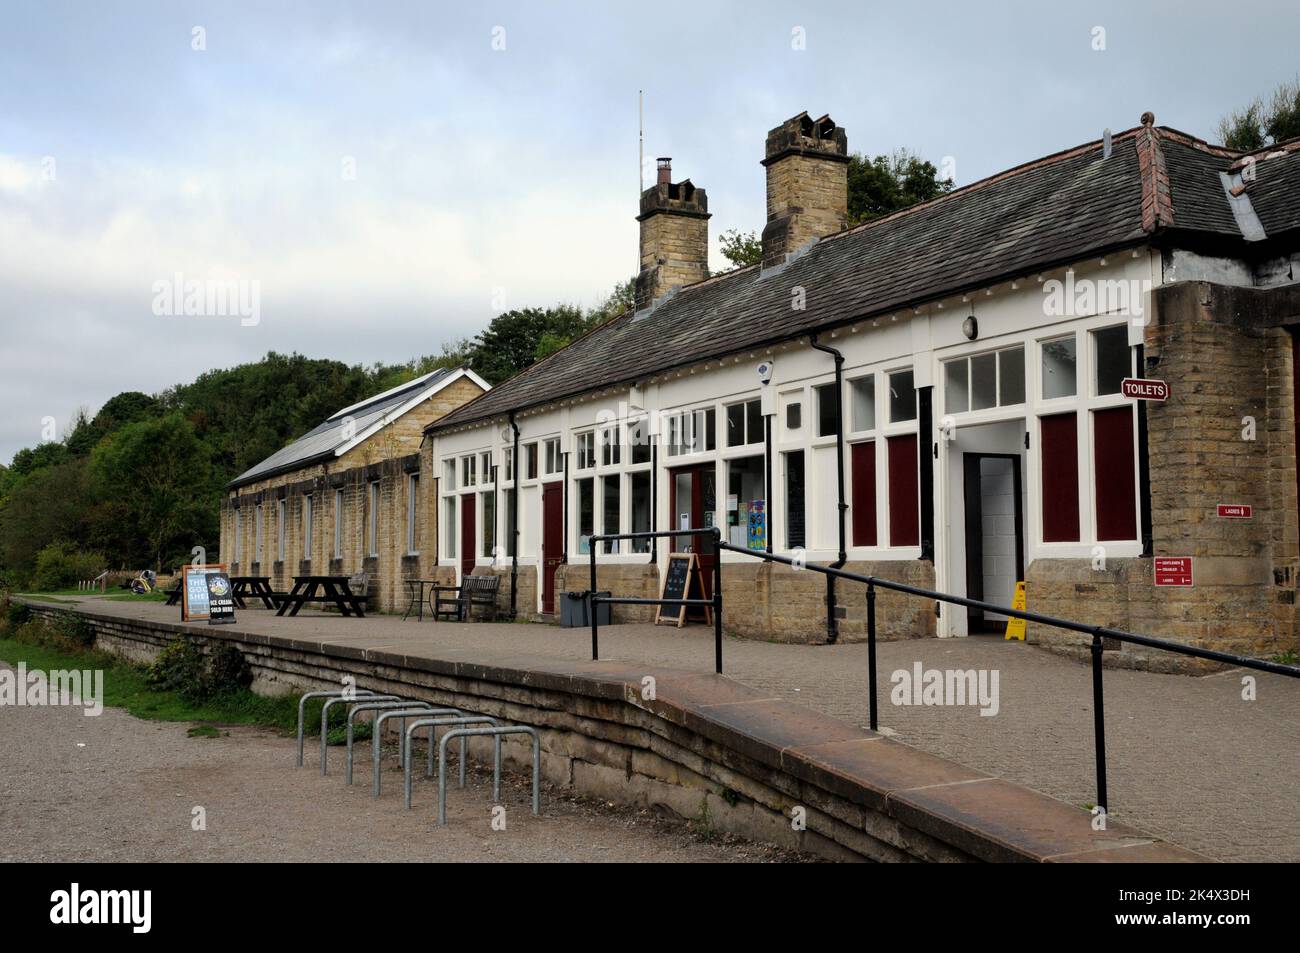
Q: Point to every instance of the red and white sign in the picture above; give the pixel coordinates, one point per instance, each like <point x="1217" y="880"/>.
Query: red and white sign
<point x="1173" y="570"/>
<point x="1141" y="389"/>
<point x="1236" y="511"/>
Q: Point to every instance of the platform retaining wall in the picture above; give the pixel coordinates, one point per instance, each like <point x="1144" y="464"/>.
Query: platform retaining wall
<point x="695" y="746"/>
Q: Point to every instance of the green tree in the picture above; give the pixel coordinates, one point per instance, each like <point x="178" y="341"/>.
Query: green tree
<point x="39" y="457"/>
<point x="49" y="505"/>
<point x="891" y="182"/>
<point x="622" y="297"/>
<point x="157" y="481"/>
<point x="510" y="343"/>
<point x="741" y="248"/>
<point x="1260" y="124"/>
<point x="129" y="407"/>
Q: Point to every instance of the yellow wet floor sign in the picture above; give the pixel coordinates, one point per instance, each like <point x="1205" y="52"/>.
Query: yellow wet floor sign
<point x="1016" y="627"/>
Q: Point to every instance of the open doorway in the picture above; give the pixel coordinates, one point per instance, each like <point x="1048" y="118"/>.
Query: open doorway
<point x="995" y="554"/>
<point x="984" y="525"/>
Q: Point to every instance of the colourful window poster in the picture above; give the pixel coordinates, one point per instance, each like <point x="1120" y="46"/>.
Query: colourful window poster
<point x="757" y="525"/>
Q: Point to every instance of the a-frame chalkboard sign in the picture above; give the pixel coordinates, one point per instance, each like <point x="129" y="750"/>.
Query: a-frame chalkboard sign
<point x="682" y="580"/>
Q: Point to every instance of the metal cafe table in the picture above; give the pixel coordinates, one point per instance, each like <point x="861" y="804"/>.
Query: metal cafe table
<point x="252" y="587"/>
<point x="329" y="589"/>
<point x="415" y="589"/>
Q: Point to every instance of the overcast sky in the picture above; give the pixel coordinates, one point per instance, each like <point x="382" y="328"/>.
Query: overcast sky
<point x="387" y="175"/>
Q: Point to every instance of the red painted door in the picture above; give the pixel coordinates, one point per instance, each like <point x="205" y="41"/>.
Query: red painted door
<point x="693" y="504"/>
<point x="552" y="540"/>
<point x="468" y="533"/>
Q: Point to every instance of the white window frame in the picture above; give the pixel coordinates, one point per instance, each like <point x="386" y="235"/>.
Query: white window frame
<point x="584" y="451"/>
<point x="552" y="451"/>
<point x="745" y="441"/>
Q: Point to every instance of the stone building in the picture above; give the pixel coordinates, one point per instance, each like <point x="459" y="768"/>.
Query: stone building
<point x="937" y="396"/>
<point x="346" y="497"/>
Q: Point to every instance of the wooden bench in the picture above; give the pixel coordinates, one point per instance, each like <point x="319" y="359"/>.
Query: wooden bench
<point x="460" y="600"/>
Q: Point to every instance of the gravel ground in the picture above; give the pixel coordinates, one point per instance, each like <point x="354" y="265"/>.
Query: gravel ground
<point x="116" y="788"/>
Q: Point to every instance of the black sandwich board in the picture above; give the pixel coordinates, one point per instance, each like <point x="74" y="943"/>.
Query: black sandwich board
<point x="682" y="581"/>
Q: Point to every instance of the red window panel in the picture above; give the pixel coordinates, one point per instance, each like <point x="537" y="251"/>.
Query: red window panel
<point x="904" y="490"/>
<point x="1060" y="462"/>
<point x="1115" y="473"/>
<point x="864" y="494"/>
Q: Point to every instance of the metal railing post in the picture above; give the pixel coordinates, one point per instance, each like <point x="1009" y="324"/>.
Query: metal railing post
<point x="591" y="602"/>
<point x="717" y="600"/>
<point x="871" y="650"/>
<point x="1099" y="721"/>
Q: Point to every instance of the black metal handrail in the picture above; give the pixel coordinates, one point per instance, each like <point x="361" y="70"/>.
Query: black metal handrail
<point x="715" y="603"/>
<point x="1098" y="633"/>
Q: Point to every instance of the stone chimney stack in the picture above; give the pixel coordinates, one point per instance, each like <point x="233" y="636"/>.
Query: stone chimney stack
<point x="674" y="236"/>
<point x="807" y="163"/>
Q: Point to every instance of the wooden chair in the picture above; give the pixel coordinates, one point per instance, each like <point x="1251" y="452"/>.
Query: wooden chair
<point x="359" y="583"/>
<point x="459" y="601"/>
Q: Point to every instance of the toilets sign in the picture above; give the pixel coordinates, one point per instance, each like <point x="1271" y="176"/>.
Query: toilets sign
<point x="1141" y="389"/>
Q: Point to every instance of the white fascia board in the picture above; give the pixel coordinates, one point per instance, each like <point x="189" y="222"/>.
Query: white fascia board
<point x="401" y="409"/>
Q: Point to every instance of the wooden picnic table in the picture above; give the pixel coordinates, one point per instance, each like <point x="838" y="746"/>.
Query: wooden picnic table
<point x="254" y="587"/>
<point x="327" y="589"/>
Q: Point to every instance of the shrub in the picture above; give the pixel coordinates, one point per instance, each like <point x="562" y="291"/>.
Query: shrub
<point x="228" y="670"/>
<point x="18" y="614"/>
<point x="77" y="630"/>
<point x="178" y="668"/>
<point x="60" y="565"/>
<point x="182" y="667"/>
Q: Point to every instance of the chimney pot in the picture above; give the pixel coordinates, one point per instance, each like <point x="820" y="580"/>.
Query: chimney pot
<point x="807" y="184"/>
<point x="674" y="236"/>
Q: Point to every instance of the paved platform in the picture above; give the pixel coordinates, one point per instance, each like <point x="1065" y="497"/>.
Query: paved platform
<point x="1189" y="760"/>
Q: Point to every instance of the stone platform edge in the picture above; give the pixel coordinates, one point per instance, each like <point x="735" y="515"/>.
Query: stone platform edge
<point x="704" y="748"/>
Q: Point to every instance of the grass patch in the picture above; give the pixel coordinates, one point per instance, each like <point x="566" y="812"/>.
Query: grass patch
<point x="166" y="690"/>
<point x="206" y="731"/>
<point x="126" y="686"/>
<point x="116" y="595"/>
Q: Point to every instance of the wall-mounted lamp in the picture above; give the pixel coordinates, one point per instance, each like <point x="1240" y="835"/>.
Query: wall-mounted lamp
<point x="971" y="328"/>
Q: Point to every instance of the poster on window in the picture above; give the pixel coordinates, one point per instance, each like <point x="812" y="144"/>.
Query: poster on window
<point x="757" y="525"/>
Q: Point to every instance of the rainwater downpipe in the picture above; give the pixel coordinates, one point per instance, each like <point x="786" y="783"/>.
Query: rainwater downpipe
<point x="514" y="520"/>
<point x="832" y="623"/>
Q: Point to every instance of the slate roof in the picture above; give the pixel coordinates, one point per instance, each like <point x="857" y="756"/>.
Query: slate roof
<point x="1049" y="212"/>
<point x="325" y="440"/>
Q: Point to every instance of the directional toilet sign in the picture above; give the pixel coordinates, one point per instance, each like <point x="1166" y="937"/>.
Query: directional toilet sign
<point x="1236" y="511"/>
<point x="1143" y="389"/>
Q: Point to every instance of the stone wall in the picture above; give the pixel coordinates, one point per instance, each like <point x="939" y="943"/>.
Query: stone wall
<point x="1222" y="367"/>
<point x="526" y="599"/>
<point x="629" y="580"/>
